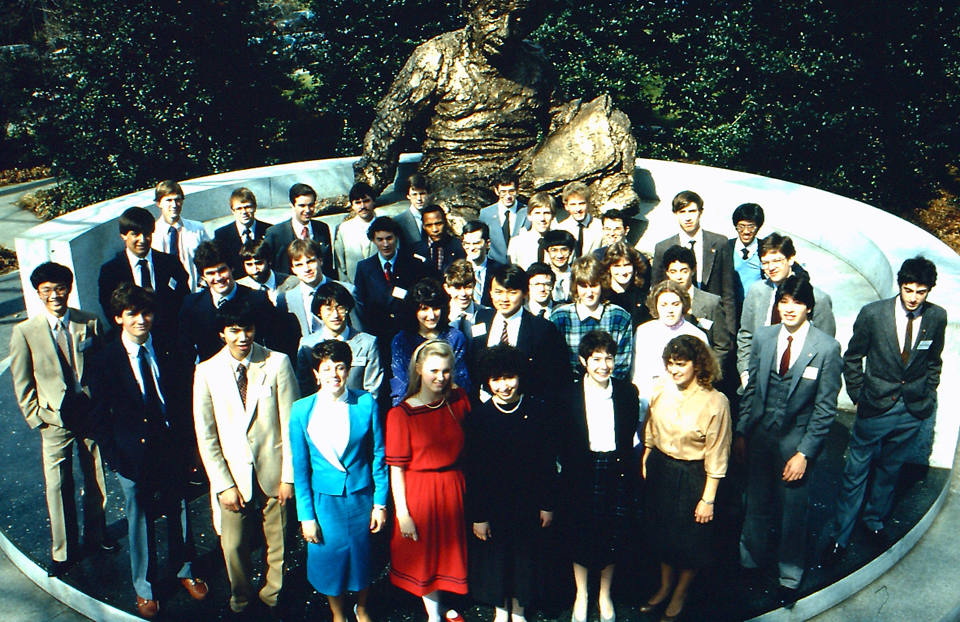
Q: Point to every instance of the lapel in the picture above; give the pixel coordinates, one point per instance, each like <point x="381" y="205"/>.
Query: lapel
<point x="127" y="379"/>
<point x="810" y="349"/>
<point x="768" y="363"/>
<point x="256" y="378"/>
<point x="708" y="255"/>
<point x="322" y="443"/>
<point x="888" y="328"/>
<point x="43" y="339"/>
<point x="920" y="335"/>
<point x="524" y="334"/>
<point x="78" y="333"/>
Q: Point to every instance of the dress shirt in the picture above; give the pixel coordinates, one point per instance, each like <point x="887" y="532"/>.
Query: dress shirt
<point x="133" y="356"/>
<point x="330" y="422"/>
<point x="228" y="296"/>
<point x="697" y="237"/>
<point x="901" y="316"/>
<point x="480" y="272"/>
<point x="496" y="328"/>
<point x="561" y="289"/>
<point x="241" y="229"/>
<point x="535" y="307"/>
<point x="298" y="229"/>
<point x="738" y="247"/>
<point x="796" y="347"/>
<point x="601" y="424"/>
<point x="163" y="230"/>
<point x="383" y="262"/>
<point x="245" y="361"/>
<point x="502" y="211"/>
<point x="524" y="248"/>
<point x="134" y="260"/>
<point x="469" y="314"/>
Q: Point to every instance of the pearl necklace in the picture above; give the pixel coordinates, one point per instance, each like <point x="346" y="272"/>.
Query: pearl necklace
<point x="507" y="412"/>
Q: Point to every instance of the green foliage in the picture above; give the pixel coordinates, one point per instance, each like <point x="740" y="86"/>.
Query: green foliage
<point x="19" y="75"/>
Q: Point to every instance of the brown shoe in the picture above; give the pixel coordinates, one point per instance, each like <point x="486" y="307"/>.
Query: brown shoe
<point x="196" y="587"/>
<point x="147" y="608"/>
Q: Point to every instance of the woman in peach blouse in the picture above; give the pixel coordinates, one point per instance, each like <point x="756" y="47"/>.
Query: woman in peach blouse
<point x="687" y="444"/>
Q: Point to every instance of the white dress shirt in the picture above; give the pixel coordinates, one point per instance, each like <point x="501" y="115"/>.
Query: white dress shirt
<point x="799" y="337"/>
<point x="133" y="356"/>
<point x="330" y="423"/>
<point x="601" y="427"/>
<point x="134" y="266"/>
<point x="496" y="328"/>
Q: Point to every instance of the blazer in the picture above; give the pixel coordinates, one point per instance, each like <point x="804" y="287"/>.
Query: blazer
<point x="873" y="368"/>
<point x="351" y="246"/>
<point x="592" y="233"/>
<point x="366" y="372"/>
<point x="380" y="310"/>
<point x="316" y="468"/>
<point x="279" y="236"/>
<point x="228" y="239"/>
<point x="38" y="374"/>
<point x="487" y="282"/>
<point x="290" y="302"/>
<point x="410" y="232"/>
<point x="172" y="284"/>
<point x="148" y="452"/>
<point x="717" y="275"/>
<point x="240" y="441"/>
<point x="498" y="244"/>
<point x="452" y="250"/>
<point x="756" y="309"/>
<point x="812" y="399"/>
<point x="708" y="314"/>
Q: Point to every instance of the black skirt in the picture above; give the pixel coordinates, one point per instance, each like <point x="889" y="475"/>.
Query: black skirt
<point x="601" y="517"/>
<point x="673" y="535"/>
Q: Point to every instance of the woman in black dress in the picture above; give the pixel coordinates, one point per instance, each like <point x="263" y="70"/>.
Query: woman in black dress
<point x="511" y="483"/>
<point x="625" y="281"/>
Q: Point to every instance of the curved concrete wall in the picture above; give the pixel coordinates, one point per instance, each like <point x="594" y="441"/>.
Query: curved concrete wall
<point x="871" y="242"/>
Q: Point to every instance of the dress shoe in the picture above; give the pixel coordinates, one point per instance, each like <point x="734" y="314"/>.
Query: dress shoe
<point x="56" y="569"/>
<point x="453" y="616"/>
<point x="878" y="538"/>
<point x="107" y="545"/>
<point x="147" y="608"/>
<point x="196" y="587"/>
<point x="832" y="556"/>
<point x="787" y="596"/>
<point x="666" y="618"/>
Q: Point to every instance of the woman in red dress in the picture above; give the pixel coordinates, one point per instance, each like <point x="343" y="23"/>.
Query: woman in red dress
<point x="424" y="440"/>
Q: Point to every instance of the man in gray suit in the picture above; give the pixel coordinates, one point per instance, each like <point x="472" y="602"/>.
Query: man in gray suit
<point x="506" y="218"/>
<point x="411" y="227"/>
<point x="892" y="369"/>
<point x="777" y="255"/>
<point x="787" y="409"/>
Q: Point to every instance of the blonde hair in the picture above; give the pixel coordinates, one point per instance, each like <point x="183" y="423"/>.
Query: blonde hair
<point x="432" y="347"/>
<point x="542" y="199"/>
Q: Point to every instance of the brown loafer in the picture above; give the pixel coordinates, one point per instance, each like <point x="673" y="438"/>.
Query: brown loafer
<point x="147" y="608"/>
<point x="196" y="587"/>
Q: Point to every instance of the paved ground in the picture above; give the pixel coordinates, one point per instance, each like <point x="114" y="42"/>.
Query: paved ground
<point x="13" y="220"/>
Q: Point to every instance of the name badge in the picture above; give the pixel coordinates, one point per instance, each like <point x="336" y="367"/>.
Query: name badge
<point x="86" y="343"/>
<point x="925" y="344"/>
<point x="399" y="292"/>
<point x="265" y="391"/>
<point x="811" y="373"/>
<point x="479" y="330"/>
<point x="172" y="283"/>
<point x="420" y="257"/>
<point x="706" y="324"/>
<point x="359" y="361"/>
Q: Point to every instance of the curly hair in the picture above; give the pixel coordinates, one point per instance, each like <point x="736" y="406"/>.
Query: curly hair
<point x="689" y="348"/>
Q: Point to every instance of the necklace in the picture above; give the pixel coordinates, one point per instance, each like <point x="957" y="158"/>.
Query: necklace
<point x="507" y="412"/>
<point x="424" y="402"/>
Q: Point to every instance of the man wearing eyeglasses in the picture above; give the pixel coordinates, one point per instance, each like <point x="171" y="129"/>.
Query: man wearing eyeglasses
<point x="747" y="220"/>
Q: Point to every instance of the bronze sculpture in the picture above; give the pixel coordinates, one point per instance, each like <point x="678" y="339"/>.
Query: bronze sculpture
<point x="493" y="105"/>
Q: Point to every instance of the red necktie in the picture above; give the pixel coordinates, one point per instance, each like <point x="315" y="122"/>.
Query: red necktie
<point x="785" y="359"/>
<point x="386" y="272"/>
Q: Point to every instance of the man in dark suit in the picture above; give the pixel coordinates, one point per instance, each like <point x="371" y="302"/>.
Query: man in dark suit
<point x="303" y="201"/>
<point x="714" y="260"/>
<point x="892" y="370"/>
<point x="411" y="230"/>
<point x="475" y="240"/>
<point x="788" y="406"/>
<point x="438" y="248"/>
<point x="246" y="228"/>
<point x="143" y="427"/>
<point x="199" y="336"/>
<point x="147" y="268"/>
<point x="506" y="218"/>
<point x="508" y="322"/>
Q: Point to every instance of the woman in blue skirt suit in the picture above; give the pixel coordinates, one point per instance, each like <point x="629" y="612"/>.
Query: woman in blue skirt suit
<point x="341" y="493"/>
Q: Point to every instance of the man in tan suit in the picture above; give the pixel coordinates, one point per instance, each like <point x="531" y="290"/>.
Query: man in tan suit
<point x="47" y="363"/>
<point x="241" y="406"/>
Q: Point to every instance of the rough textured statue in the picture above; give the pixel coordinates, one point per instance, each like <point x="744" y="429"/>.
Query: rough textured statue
<point x="490" y="102"/>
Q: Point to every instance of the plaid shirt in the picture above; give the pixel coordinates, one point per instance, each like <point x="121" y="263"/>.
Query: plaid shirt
<point x="613" y="320"/>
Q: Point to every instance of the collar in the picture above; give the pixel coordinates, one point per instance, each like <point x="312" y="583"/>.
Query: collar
<point x="324" y="397"/>
<point x="53" y="320"/>
<point x="738" y="246"/>
<point x="686" y="237"/>
<point x="586" y="220"/>
<point x="596" y="392"/>
<point x="271" y="281"/>
<point x="534" y="307"/>
<point x="229" y="295"/>
<point x="241" y="228"/>
<point x="134" y="260"/>
<point x="470" y="311"/>
<point x="245" y="361"/>
<point x="165" y="226"/>
<point x="344" y="335"/>
<point x="513" y="318"/>
<point x="297" y="227"/>
<point x="383" y="262"/>
<point x="479" y="266"/>
<point x="583" y="312"/>
<point x="133" y="349"/>
<point x="902" y="310"/>
<point x="798" y="336"/>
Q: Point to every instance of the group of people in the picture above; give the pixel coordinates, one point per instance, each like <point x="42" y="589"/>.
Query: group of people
<point x="477" y="389"/>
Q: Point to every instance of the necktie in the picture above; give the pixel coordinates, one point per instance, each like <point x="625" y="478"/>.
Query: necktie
<point x="63" y="342"/>
<point x="745" y="252"/>
<point x="542" y="313"/>
<point x="785" y="359"/>
<point x="506" y="226"/>
<point x="264" y="288"/>
<point x="304" y="233"/>
<point x="504" y="337"/>
<point x="775" y="315"/>
<point x="908" y="338"/>
<point x="462" y="324"/>
<point x="247" y="236"/>
<point x="580" y="239"/>
<point x="150" y="397"/>
<point x="174" y="242"/>
<point x="145" y="281"/>
<point x="436" y="255"/>
<point x="242" y="383"/>
<point x="386" y="272"/>
<point x="221" y="302"/>
<point x="540" y="249"/>
<point x="691" y="244"/>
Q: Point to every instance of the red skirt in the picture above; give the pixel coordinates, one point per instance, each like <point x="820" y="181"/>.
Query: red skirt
<point x="438" y="559"/>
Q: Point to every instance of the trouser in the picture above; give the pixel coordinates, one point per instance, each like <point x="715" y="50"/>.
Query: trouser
<point x="882" y="441"/>
<point x="57" y="450"/>
<point x="142" y="540"/>
<point x="236" y="532"/>
<point x="765" y="490"/>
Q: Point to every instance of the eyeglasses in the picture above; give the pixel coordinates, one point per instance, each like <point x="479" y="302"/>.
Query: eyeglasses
<point x="746" y="228"/>
<point x="766" y="263"/>
<point x="46" y="292"/>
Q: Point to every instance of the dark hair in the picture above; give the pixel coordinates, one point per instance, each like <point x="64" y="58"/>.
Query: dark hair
<point x="511" y="276"/>
<point x="383" y="223"/>
<point x="682" y="254"/>
<point x="748" y="211"/>
<point x="243" y="195"/>
<point x="234" y="312"/>
<point x="431" y="208"/>
<point x="693" y="349"/>
<point x="597" y="341"/>
<point x="301" y="190"/>
<point x="685" y="198"/>
<point x="331" y="291"/>
<point x="505" y="178"/>
<point x="130" y="297"/>
<point x="460" y="274"/>
<point x="777" y="243"/>
<point x="919" y="270"/>
<point x="427" y="293"/>
<point x="540" y="268"/>
<point x="332" y="350"/>
<point x="503" y="361"/>
<point x="50" y="272"/>
<point x="257" y="249"/>
<point x="136" y="220"/>
<point x="621" y="250"/>
<point x="798" y="288"/>
<point x="472" y="226"/>
<point x="361" y="190"/>
<point x="417" y="182"/>
<point x="614" y="214"/>
<point x="208" y="255"/>
<point x="557" y="237"/>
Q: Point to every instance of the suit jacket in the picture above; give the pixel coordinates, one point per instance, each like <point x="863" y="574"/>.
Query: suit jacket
<point x="811" y="404"/>
<point x="316" y="467"/>
<point x="452" y="250"/>
<point x="365" y="373"/>
<point x="279" y="236"/>
<point x="708" y="314"/>
<point x="381" y="311"/>
<point x="38" y="376"/>
<point x="487" y="282"/>
<point x="239" y="442"/>
<point x="149" y="452"/>
<point x="756" y="314"/>
<point x="290" y="302"/>
<point x="410" y="232"/>
<point x="717" y="275"/>
<point x="499" y="244"/>
<point x="592" y="233"/>
<point x="228" y="239"/>
<point x="191" y="235"/>
<point x="873" y="368"/>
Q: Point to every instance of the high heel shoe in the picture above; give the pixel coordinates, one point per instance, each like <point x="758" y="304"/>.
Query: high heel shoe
<point x="612" y="618"/>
